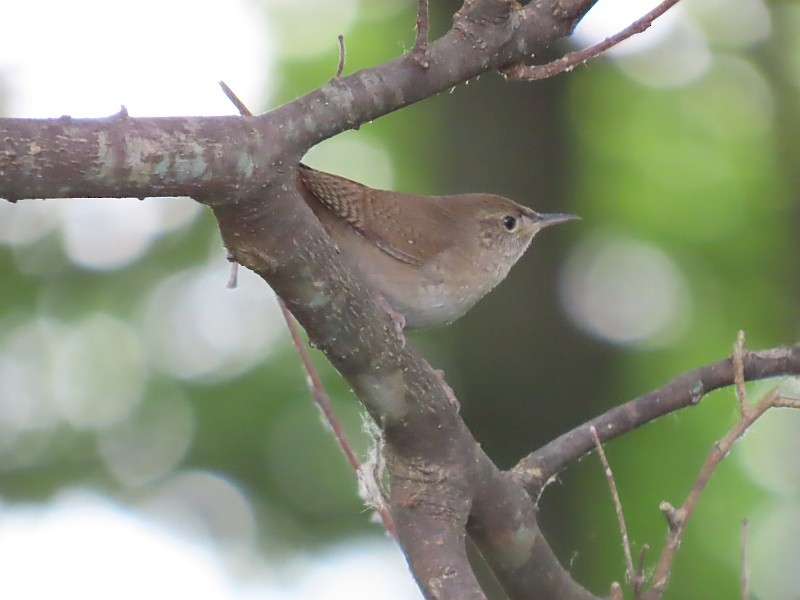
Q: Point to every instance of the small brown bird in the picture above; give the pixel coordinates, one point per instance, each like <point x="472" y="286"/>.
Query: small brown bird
<point x="430" y="257"/>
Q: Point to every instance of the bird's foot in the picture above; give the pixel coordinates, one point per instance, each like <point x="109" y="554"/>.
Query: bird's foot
<point x="448" y="391"/>
<point x="398" y="319"/>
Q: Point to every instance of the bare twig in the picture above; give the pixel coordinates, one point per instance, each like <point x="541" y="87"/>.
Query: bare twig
<point x="630" y="573"/>
<point x="342" y="56"/>
<point x="677" y="519"/>
<point x="687" y="389"/>
<point x="317" y="389"/>
<point x="745" y="561"/>
<point x="233" y="279"/>
<point x="616" y="592"/>
<point x="784" y="402"/>
<point x="240" y="106"/>
<point x="571" y="60"/>
<point x="640" y="564"/>
<point x="420" y="50"/>
<point x="323" y="401"/>
<point x="738" y="371"/>
<point x="318" y="392"/>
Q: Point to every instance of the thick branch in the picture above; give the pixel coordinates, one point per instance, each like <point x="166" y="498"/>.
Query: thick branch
<point x="211" y="156"/>
<point x="504" y="528"/>
<point x="126" y="157"/>
<point x="430" y="503"/>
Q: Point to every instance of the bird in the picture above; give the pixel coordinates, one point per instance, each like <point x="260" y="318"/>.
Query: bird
<point x="430" y="258"/>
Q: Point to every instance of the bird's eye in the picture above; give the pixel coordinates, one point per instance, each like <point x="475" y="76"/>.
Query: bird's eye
<point x="509" y="223"/>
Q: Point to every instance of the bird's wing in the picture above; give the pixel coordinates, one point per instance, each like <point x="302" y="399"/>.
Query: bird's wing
<point x="375" y="214"/>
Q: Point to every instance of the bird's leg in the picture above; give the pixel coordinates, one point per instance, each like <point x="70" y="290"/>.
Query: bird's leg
<point x="448" y="391"/>
<point x="398" y="319"/>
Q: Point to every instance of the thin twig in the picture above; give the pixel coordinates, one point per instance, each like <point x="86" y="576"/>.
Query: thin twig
<point x="317" y="389"/>
<point x="240" y="106"/>
<point x="616" y="592"/>
<point x="342" y="56"/>
<point x="233" y="278"/>
<point x="784" y="402"/>
<point x="677" y="519"/>
<point x="640" y="565"/>
<point x="630" y="574"/>
<point x="738" y="372"/>
<point x="745" y="561"/>
<point x="573" y="59"/>
<point x="420" y="50"/>
<point x="323" y="401"/>
<point x="318" y="392"/>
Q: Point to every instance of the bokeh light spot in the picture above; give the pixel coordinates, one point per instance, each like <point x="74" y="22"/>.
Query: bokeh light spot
<point x="356" y="157"/>
<point x="25" y="357"/>
<point x="769" y="452"/>
<point x="27" y="221"/>
<point x="196" y="328"/>
<point x="732" y="24"/>
<point x="28" y="416"/>
<point x="625" y="291"/>
<point x="774" y="548"/>
<point x="676" y="60"/>
<point x="99" y="371"/>
<point x="207" y="507"/>
<point x="321" y="21"/>
<point x="150" y="443"/>
<point x="90" y="548"/>
<point x="733" y="102"/>
<point x="606" y="19"/>
<point x="107" y="234"/>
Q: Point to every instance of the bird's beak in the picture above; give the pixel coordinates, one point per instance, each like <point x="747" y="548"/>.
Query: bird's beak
<point x="543" y="220"/>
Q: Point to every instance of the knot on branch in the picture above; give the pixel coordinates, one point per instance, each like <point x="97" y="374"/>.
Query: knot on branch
<point x="494" y="11"/>
<point x="567" y="16"/>
<point x="491" y="23"/>
<point x="437" y="489"/>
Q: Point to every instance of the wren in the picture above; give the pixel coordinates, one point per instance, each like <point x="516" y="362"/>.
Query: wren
<point x="430" y="257"/>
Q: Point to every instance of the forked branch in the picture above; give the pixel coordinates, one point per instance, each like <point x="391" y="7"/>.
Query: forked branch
<point x="573" y="59"/>
<point x="677" y="519"/>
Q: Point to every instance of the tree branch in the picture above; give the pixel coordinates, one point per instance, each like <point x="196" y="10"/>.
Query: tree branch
<point x="504" y="528"/>
<point x="631" y="574"/>
<point x="677" y="519"/>
<point x="573" y="59"/>
<point x="685" y="390"/>
<point x="420" y="49"/>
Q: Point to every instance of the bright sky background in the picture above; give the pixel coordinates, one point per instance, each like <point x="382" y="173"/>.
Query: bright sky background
<point x="85" y="58"/>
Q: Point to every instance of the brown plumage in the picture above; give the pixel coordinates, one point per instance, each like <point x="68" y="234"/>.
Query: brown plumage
<point x="430" y="257"/>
